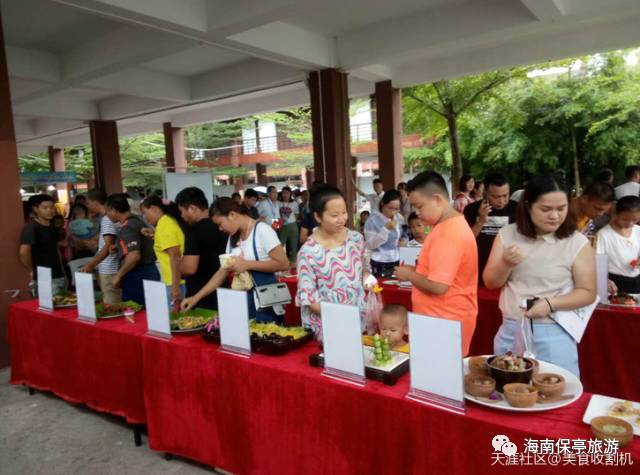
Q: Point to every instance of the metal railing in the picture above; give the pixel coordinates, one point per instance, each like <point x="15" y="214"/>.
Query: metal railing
<point x="273" y="143"/>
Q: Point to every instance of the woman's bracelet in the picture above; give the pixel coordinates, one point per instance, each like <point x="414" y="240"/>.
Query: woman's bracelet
<point x="549" y="304"/>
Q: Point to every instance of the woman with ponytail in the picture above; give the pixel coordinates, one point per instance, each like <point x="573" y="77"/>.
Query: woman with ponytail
<point x="168" y="242"/>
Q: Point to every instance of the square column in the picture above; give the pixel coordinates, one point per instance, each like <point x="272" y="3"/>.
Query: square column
<point x="106" y="156"/>
<point x="389" y="123"/>
<point x="13" y="275"/>
<point x="333" y="163"/>
<point x="176" y="160"/>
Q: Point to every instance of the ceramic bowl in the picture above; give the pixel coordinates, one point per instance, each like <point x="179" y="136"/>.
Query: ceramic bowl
<point x="504" y="377"/>
<point x="607" y="427"/>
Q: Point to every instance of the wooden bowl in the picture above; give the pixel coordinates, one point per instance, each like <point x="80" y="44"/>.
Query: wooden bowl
<point x="479" y="385"/>
<point x="601" y="428"/>
<point x="549" y="384"/>
<point x="520" y="394"/>
<point x="478" y="365"/>
<point x="504" y="377"/>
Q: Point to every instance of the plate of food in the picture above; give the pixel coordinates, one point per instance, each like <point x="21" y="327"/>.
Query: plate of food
<point x="622" y="299"/>
<point x="105" y="311"/>
<point x="612" y="407"/>
<point x="513" y="383"/>
<point x="192" y="321"/>
<point x="65" y="299"/>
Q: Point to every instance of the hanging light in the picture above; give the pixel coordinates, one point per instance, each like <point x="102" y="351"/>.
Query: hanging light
<point x="51" y="188"/>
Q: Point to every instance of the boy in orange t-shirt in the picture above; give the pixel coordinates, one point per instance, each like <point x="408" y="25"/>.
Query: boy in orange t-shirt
<point x="445" y="280"/>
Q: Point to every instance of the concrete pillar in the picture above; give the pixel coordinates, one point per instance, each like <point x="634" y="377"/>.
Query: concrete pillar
<point x="176" y="160"/>
<point x="13" y="275"/>
<point x="56" y="164"/>
<point x="389" y="126"/>
<point x="106" y="156"/>
<point x="332" y="159"/>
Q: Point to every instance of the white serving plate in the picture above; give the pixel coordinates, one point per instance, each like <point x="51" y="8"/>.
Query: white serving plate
<point x="599" y="406"/>
<point x="397" y="358"/>
<point x="573" y="386"/>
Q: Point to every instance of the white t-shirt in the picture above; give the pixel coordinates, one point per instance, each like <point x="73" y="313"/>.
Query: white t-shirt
<point x="110" y="263"/>
<point x="620" y="251"/>
<point x="288" y="211"/>
<point x="266" y="241"/>
<point x="630" y="188"/>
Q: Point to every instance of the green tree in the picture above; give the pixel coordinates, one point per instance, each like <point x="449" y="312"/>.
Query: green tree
<point x="435" y="109"/>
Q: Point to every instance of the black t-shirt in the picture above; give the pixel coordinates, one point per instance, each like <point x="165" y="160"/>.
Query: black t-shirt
<point x="253" y="212"/>
<point x="309" y="222"/>
<point x="131" y="239"/>
<point x="495" y="221"/>
<point x="44" y="247"/>
<point x="204" y="239"/>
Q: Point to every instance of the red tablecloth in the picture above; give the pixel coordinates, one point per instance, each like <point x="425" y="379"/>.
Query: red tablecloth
<point x="98" y="365"/>
<point x="606" y="351"/>
<point x="278" y="415"/>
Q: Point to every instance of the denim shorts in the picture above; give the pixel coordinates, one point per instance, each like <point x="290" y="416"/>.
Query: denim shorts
<point x="551" y="343"/>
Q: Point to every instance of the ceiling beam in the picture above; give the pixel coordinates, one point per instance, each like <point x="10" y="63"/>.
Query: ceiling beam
<point x="239" y="78"/>
<point x="145" y="83"/>
<point x="545" y="10"/>
<point x="58" y="106"/>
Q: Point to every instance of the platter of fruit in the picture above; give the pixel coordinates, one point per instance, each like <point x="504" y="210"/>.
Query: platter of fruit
<point x="192" y="321"/>
<point x="267" y="338"/>
<point x="105" y="311"/>
<point x="513" y="383"/>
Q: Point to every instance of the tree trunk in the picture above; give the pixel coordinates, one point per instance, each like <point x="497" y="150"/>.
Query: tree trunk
<point x="576" y="166"/>
<point x="456" y="159"/>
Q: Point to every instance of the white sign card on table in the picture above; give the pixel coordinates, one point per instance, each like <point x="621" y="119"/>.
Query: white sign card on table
<point x="342" y="341"/>
<point x="436" y="367"/>
<point x="233" y="312"/>
<point x="86" y="297"/>
<point x="602" y="277"/>
<point x="409" y="255"/>
<point x="157" y="307"/>
<point x="45" y="288"/>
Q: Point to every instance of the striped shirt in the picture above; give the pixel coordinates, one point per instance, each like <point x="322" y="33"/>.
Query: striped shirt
<point x="110" y="263"/>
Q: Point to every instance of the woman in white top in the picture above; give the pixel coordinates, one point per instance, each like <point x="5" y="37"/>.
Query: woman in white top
<point x="257" y="249"/>
<point x="542" y="256"/>
<point x="620" y="241"/>
<point x="382" y="233"/>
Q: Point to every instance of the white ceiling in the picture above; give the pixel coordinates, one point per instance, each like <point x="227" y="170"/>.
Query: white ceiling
<point x="144" y="62"/>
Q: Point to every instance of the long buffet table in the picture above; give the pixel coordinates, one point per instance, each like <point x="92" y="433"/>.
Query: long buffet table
<point x="607" y="351"/>
<point x="266" y="414"/>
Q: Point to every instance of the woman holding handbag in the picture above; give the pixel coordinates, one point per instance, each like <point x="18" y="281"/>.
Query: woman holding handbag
<point x="255" y="248"/>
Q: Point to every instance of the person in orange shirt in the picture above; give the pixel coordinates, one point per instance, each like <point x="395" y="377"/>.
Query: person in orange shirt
<point x="445" y="280"/>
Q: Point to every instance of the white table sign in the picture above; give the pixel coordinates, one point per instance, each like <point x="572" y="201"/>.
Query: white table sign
<point x="342" y="341"/>
<point x="436" y="368"/>
<point x="157" y="308"/>
<point x="86" y="297"/>
<point x="233" y="312"/>
<point x="45" y="288"/>
<point x="409" y="255"/>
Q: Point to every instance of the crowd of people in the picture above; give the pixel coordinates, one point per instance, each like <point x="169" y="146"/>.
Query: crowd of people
<point x="536" y="242"/>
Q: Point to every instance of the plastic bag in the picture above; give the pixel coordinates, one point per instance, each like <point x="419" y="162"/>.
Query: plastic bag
<point x="373" y="308"/>
<point x="242" y="281"/>
<point x="523" y="343"/>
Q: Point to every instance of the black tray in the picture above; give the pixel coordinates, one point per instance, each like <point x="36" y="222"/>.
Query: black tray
<point x="389" y="378"/>
<point x="265" y="346"/>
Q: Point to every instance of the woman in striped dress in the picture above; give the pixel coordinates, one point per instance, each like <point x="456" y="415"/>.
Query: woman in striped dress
<point x="331" y="264"/>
